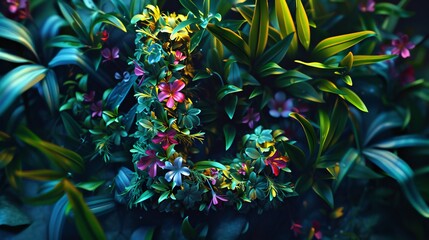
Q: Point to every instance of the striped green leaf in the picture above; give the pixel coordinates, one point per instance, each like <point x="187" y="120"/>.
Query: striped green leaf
<point x="41" y="175"/>
<point x="359" y="60"/>
<point x="258" y="35"/>
<point x="110" y="19"/>
<point x="4" y="55"/>
<point x="353" y="98"/>
<point x="309" y="131"/>
<point x="51" y="91"/>
<point x="16" y="32"/>
<point x="286" y="24"/>
<point x="303" y="25"/>
<point x="74" y="20"/>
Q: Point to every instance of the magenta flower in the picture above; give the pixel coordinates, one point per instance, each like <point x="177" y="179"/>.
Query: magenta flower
<point x="110" y="54"/>
<point x="18" y="9"/>
<point x="179" y="57"/>
<point x="96" y="109"/>
<point x="165" y="138"/>
<point x="317" y="232"/>
<point x="215" y="199"/>
<point x="172" y="92"/>
<point x="150" y="161"/>
<point x="214" y="174"/>
<point x="276" y="163"/>
<point x="296" y="229"/>
<point x="89" y="97"/>
<point x="138" y="71"/>
<point x="402" y="46"/>
<point x="367" y="6"/>
<point x="251" y="118"/>
<point x="243" y="169"/>
<point x="279" y="106"/>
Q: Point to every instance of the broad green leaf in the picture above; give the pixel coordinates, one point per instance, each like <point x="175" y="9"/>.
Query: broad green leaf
<point x="320" y="65"/>
<point x="202" y="165"/>
<point x="232" y="41"/>
<point x="51" y="91"/>
<point x="16" y="32"/>
<point x="7" y="154"/>
<point x="188" y="231"/>
<point x="51" y="27"/>
<point x="231" y="105"/>
<point x="403" y="141"/>
<point x="309" y="131"/>
<point x="336" y="44"/>
<point x="305" y="91"/>
<point x="90" y="186"/>
<point x="196" y="39"/>
<point x="227" y="89"/>
<point x="86" y="223"/>
<point x="74" y="20"/>
<point x="229" y="132"/>
<point x="111" y="19"/>
<point x="41" y="175"/>
<point x="324" y="191"/>
<point x="277" y="52"/>
<point x="190" y="6"/>
<point x="353" y="98"/>
<point x="270" y="68"/>
<point x="359" y="60"/>
<point x="252" y="153"/>
<point x="328" y="86"/>
<point x="347" y="61"/>
<point x="291" y="77"/>
<point x="4" y="55"/>
<point x="286" y="24"/>
<point x="65" y="41"/>
<point x="347" y="161"/>
<point x="325" y="127"/>
<point x="399" y="170"/>
<point x="145" y="196"/>
<point x="258" y="35"/>
<point x="17" y="81"/>
<point x="302" y="25"/>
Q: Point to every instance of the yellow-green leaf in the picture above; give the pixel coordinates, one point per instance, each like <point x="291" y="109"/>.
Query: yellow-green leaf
<point x="286" y="23"/>
<point x="303" y="25"/>
<point x="353" y="98"/>
<point x="347" y="61"/>
<point x="41" y="175"/>
<point x="258" y="36"/>
<point x="359" y="60"/>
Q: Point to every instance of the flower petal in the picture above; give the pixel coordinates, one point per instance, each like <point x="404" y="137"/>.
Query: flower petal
<point x="170" y="102"/>
<point x="177" y="86"/>
<point x="178" y="179"/>
<point x="274" y="113"/>
<point x="162" y="96"/>
<point x="179" y="97"/>
<point x="169" y="176"/>
<point x="178" y="162"/>
<point x="115" y="52"/>
<point x="185" y="171"/>
<point x="165" y="87"/>
<point x="405" y="53"/>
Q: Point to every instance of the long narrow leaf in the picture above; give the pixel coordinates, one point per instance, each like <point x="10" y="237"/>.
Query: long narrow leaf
<point x="4" y="55"/>
<point x="74" y="20"/>
<point x="308" y="130"/>
<point x="258" y="35"/>
<point x="303" y="25"/>
<point x="354" y="99"/>
<point x="382" y="123"/>
<point x="16" y="32"/>
<point x="403" y="141"/>
<point x="277" y="52"/>
<point x="41" y="175"/>
<point x="111" y="20"/>
<point x="51" y="91"/>
<point x="346" y="162"/>
<point x="17" y="81"/>
<point x="286" y="24"/>
<point x="359" y="60"/>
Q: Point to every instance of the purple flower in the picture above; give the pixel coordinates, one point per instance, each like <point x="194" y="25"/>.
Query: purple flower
<point x="176" y="171"/>
<point x="89" y="97"/>
<point x="165" y="138"/>
<point x="279" y="106"/>
<point x="367" y="6"/>
<point x="243" y="169"/>
<point x="251" y="118"/>
<point x="150" y="161"/>
<point x="18" y="9"/>
<point x="172" y="92"/>
<point x="214" y="174"/>
<point x="96" y="109"/>
<point x="402" y="45"/>
<point x="215" y="199"/>
<point x="110" y="54"/>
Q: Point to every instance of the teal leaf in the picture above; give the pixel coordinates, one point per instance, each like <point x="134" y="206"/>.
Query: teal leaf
<point x="16" y="32"/>
<point x="190" y="6"/>
<point x="4" y="55"/>
<point x="51" y="91"/>
<point x="74" y="20"/>
<point x="227" y="89"/>
<point x="65" y="41"/>
<point x="309" y="131"/>
<point x="188" y="231"/>
<point x="110" y="19"/>
<point x="353" y="98"/>
<point x="17" y="81"/>
<point x="231" y="105"/>
<point x="252" y="153"/>
<point x="145" y="196"/>
<point x="229" y="132"/>
<point x="383" y="122"/>
<point x="202" y="165"/>
<point x="346" y="162"/>
<point x="324" y="191"/>
<point x="258" y="35"/>
<point x="403" y="141"/>
<point x="119" y="92"/>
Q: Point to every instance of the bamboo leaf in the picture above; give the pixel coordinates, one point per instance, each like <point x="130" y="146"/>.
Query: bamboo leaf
<point x="303" y="25"/>
<point x="325" y="127"/>
<point x="277" y="52"/>
<point x="359" y="60"/>
<point x="330" y="87"/>
<point x="145" y="196"/>
<point x="17" y="81"/>
<point x="286" y="23"/>
<point x="229" y="132"/>
<point x="309" y="131"/>
<point x="336" y="44"/>
<point x="403" y="141"/>
<point x="4" y="55"/>
<point x="232" y="41"/>
<point x="51" y="91"/>
<point x="258" y="35"/>
<point x="353" y="98"/>
<point x="41" y="175"/>
<point x="202" y="165"/>
<point x="110" y="19"/>
<point x="320" y="65"/>
<point x="16" y="32"/>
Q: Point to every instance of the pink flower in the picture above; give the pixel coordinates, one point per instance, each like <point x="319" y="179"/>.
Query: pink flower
<point x="150" y="161"/>
<point x="251" y="118"/>
<point x="279" y="106"/>
<point x="18" y="9"/>
<point x="367" y="6"/>
<point x="179" y="57"/>
<point x="172" y="92"/>
<point x="316" y="229"/>
<point x="89" y="97"/>
<point x="138" y="71"/>
<point x="243" y="169"/>
<point x="296" y="228"/>
<point x="97" y="109"/>
<point x="110" y="54"/>
<point x="214" y="174"/>
<point x="402" y="46"/>
<point x="276" y="162"/>
<point x="215" y="199"/>
<point x="165" y="138"/>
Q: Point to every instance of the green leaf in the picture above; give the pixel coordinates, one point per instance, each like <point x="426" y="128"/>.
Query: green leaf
<point x="232" y="41"/>
<point x="353" y="98"/>
<point x="270" y="68"/>
<point x="227" y="89"/>
<point x="383" y="122"/>
<point x="86" y="223"/>
<point x="230" y="107"/>
<point x="72" y="128"/>
<point x="188" y="231"/>
<point x="346" y="162"/>
<point x="309" y="131"/>
<point x="291" y="77"/>
<point x="41" y="175"/>
<point x="286" y="23"/>
<point x="111" y="19"/>
<point x="183" y="24"/>
<point x="303" y="26"/>
<point x="403" y="141"/>
<point x="145" y="196"/>
<point x="6" y="156"/>
<point x="339" y="117"/>
<point x="16" y="32"/>
<point x="51" y="91"/>
<point x="328" y="86"/>
<point x="202" y="165"/>
<point x="90" y="186"/>
<point x="196" y="39"/>
<point x="4" y="55"/>
<point x="49" y="197"/>
<point x="325" y="127"/>
<point x="347" y="80"/>
<point x="65" y="41"/>
<point x="252" y="153"/>
<point x="277" y="52"/>
<point x="333" y="45"/>
<point x="347" y="61"/>
<point x="258" y="35"/>
<point x="74" y="20"/>
<point x="229" y="132"/>
<point x="305" y="91"/>
<point x="325" y="192"/>
<point x="320" y="65"/>
<point x="390" y="9"/>
<point x="119" y="92"/>
<point x="17" y="81"/>
<point x="190" y="6"/>
<point x="234" y="74"/>
<point x="359" y="60"/>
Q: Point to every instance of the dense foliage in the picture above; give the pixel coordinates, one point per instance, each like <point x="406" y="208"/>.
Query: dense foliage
<point x="307" y="108"/>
